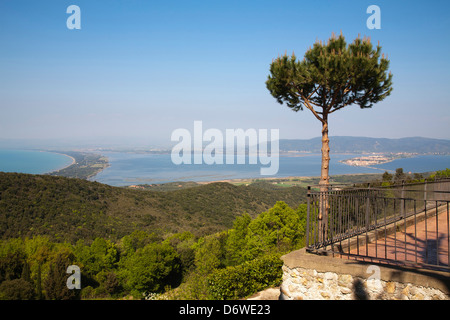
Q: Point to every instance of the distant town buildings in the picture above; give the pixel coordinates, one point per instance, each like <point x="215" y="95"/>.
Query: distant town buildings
<point x="371" y="160"/>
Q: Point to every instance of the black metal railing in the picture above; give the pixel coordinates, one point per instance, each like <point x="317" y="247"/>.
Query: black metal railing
<point x="402" y="224"/>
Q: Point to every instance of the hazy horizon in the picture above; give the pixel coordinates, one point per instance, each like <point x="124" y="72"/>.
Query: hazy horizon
<point x="125" y="143"/>
<point x="138" y="70"/>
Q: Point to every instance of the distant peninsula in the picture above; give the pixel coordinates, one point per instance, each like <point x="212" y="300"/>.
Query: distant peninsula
<point x="84" y="166"/>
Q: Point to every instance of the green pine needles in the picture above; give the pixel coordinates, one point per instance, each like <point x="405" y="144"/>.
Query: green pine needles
<point x="331" y="76"/>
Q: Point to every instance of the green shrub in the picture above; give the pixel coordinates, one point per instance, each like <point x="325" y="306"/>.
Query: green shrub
<point x="245" y="279"/>
<point x="16" y="289"/>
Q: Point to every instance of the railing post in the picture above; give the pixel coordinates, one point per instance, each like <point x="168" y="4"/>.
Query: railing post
<point x="308" y="197"/>
<point x="367" y="218"/>
<point x="425" y="193"/>
<point x="402" y="201"/>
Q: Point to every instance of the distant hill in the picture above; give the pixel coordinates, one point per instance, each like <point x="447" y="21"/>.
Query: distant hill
<point x="343" y="144"/>
<point x="68" y="209"/>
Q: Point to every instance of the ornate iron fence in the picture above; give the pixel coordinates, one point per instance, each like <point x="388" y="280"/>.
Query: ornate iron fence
<point x="401" y="224"/>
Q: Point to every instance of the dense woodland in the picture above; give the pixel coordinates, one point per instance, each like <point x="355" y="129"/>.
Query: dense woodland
<point x="201" y="241"/>
<point x="215" y="241"/>
<point x="230" y="264"/>
<point x="69" y="209"/>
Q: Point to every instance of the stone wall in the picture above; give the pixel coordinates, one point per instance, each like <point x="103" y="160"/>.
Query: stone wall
<point x="311" y="277"/>
<point x="308" y="284"/>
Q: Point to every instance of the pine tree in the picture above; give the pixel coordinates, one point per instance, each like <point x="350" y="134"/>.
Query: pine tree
<point x="39" y="295"/>
<point x="330" y="77"/>
<point x="236" y="240"/>
<point x="56" y="282"/>
<point x="26" y="272"/>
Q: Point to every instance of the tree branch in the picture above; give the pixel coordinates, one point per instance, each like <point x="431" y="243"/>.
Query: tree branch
<point x="351" y="102"/>
<point x="315" y="90"/>
<point x="300" y="94"/>
<point x="308" y="105"/>
<point x="333" y="100"/>
<point x="338" y="108"/>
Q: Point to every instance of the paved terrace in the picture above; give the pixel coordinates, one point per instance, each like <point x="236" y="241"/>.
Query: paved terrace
<point x="421" y="241"/>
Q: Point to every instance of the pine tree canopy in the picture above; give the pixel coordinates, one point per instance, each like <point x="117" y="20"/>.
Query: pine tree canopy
<point x="331" y="76"/>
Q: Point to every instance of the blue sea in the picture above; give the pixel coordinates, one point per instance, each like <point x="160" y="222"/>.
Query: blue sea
<point x="130" y="168"/>
<point x="133" y="168"/>
<point x="32" y="161"/>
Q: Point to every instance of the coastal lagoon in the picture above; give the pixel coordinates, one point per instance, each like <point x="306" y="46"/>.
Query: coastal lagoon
<point x="32" y="161"/>
<point x="132" y="168"/>
<point x="145" y="168"/>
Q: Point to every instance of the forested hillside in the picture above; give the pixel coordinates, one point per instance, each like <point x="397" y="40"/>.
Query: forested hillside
<point x="122" y="253"/>
<point x="71" y="209"/>
<point x="225" y="265"/>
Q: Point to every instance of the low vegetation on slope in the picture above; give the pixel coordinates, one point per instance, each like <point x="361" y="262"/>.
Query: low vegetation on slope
<point x="68" y="209"/>
<point x="230" y="264"/>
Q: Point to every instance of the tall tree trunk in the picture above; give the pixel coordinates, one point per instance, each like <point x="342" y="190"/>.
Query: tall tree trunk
<point x="324" y="181"/>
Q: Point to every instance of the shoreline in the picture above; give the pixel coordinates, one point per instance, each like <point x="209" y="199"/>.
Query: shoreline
<point x="289" y="178"/>
<point x="143" y="179"/>
<point x="85" y="165"/>
<point x="369" y="167"/>
<point x="71" y="164"/>
<point x="266" y="182"/>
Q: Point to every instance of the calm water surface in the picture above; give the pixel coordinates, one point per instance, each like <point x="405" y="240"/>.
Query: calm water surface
<point x="133" y="168"/>
<point x="129" y="168"/>
<point x="31" y="161"/>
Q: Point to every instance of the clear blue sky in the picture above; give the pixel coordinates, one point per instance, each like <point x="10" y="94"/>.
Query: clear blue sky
<point x="138" y="69"/>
